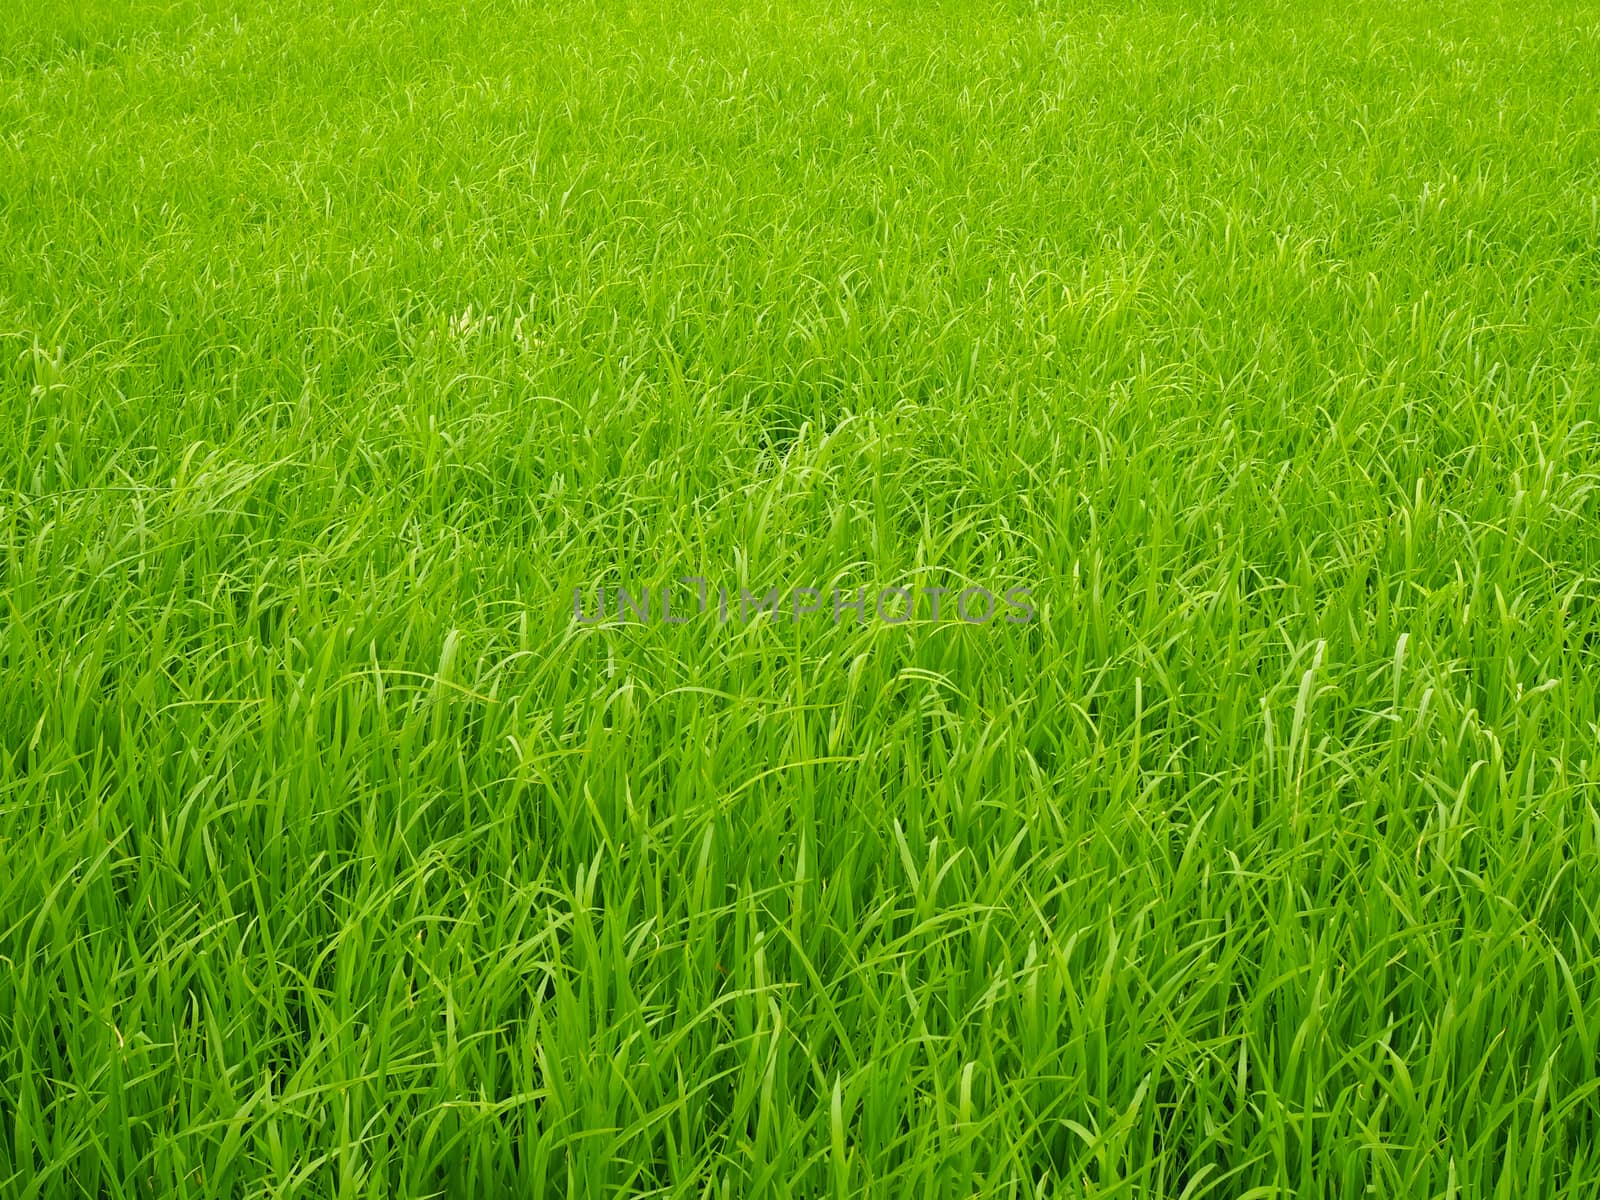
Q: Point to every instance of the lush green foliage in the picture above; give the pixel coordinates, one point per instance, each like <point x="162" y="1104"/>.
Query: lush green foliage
<point x="340" y="342"/>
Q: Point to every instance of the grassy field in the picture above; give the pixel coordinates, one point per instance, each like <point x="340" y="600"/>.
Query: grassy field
<point x="343" y="345"/>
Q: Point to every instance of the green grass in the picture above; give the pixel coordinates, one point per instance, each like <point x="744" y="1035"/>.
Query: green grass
<point x="340" y="342"/>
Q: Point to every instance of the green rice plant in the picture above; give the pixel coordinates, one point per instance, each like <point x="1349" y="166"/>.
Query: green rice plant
<point x="342" y="345"/>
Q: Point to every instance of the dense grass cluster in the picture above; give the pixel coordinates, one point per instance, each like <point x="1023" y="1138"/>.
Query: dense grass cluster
<point x="339" y="343"/>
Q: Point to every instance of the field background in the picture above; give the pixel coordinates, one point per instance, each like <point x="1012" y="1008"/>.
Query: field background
<point x="340" y="342"/>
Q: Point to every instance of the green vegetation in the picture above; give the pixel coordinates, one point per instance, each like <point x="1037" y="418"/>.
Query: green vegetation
<point x="339" y="343"/>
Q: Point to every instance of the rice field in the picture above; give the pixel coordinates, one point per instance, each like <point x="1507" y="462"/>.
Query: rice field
<point x="975" y="598"/>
